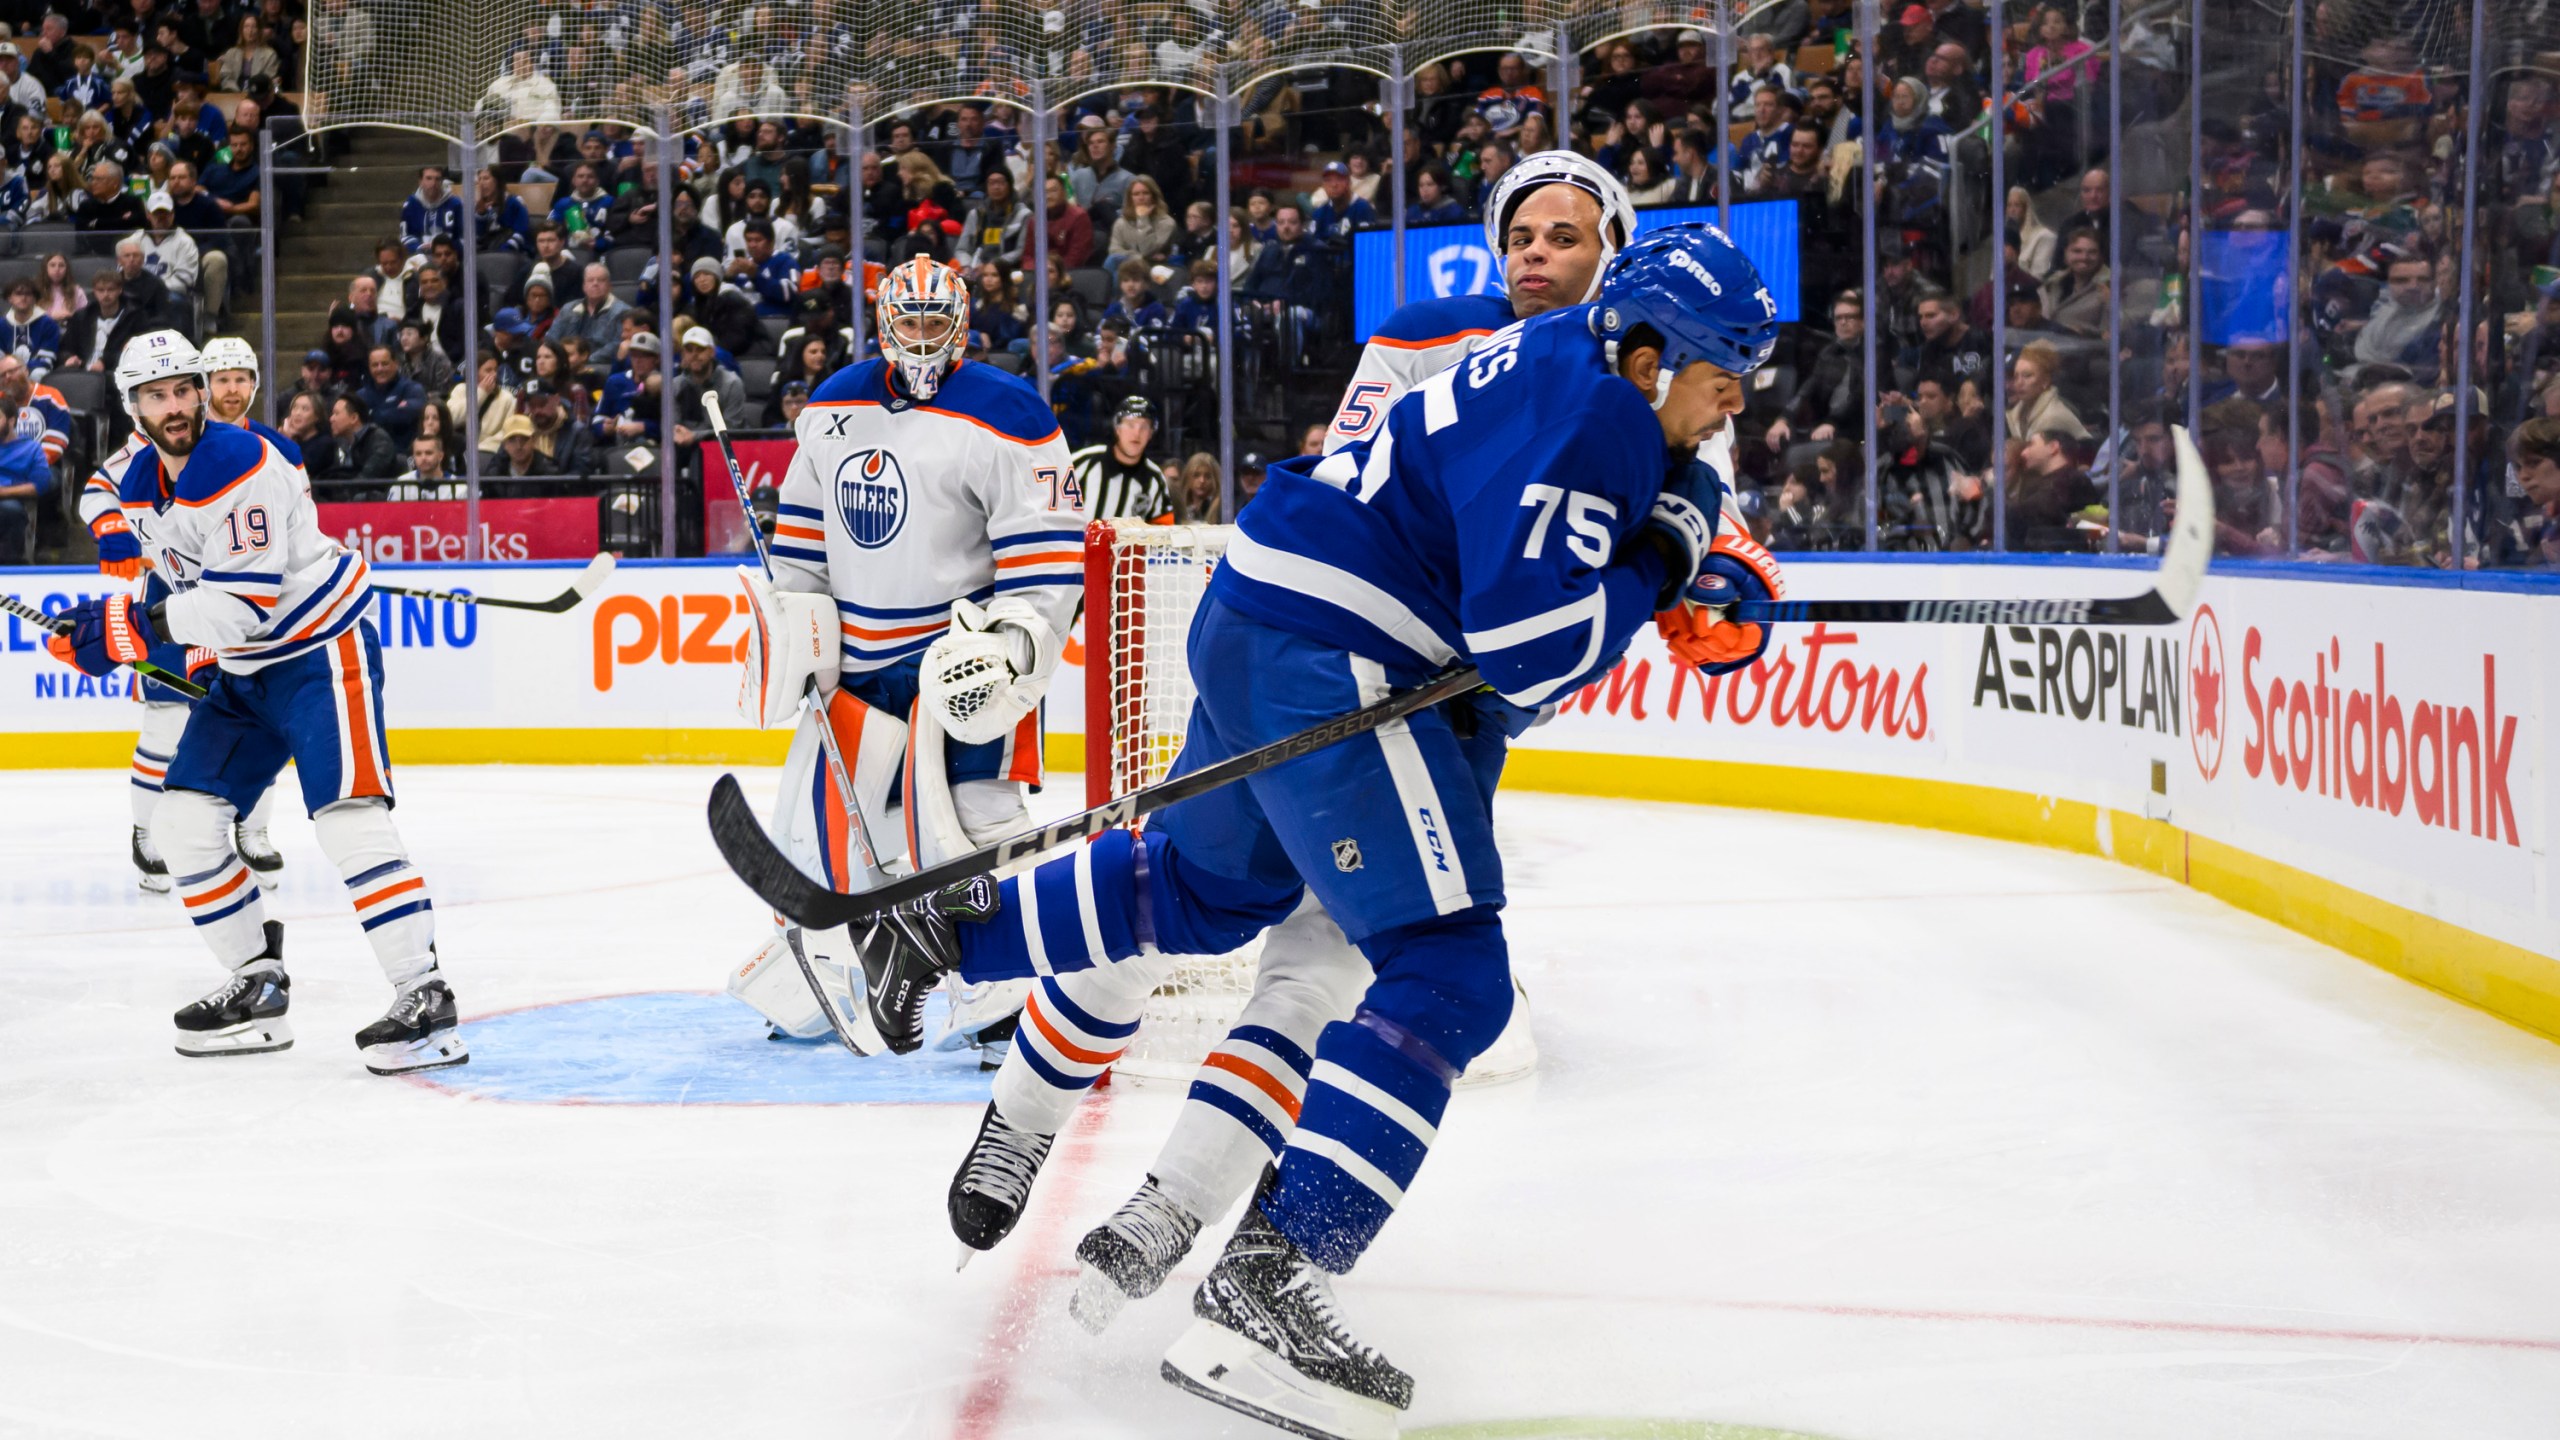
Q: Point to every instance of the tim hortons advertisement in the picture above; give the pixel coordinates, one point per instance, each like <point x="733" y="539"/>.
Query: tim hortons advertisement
<point x="2398" y="739"/>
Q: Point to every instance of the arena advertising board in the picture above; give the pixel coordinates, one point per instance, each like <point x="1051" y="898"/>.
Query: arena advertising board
<point x="2397" y="739"/>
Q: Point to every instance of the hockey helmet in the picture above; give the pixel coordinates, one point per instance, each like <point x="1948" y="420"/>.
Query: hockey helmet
<point x="1694" y="287"/>
<point x="922" y="290"/>
<point x="1563" y="167"/>
<point x="229" y="352"/>
<point x="158" y="355"/>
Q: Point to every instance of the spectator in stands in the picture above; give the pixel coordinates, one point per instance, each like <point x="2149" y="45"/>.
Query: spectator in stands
<point x="2035" y="404"/>
<point x="1291" y="269"/>
<point x="143" y="291"/>
<point x="628" y="414"/>
<point x="1904" y="47"/>
<point x="972" y="157"/>
<point x="2077" y="298"/>
<point x="2048" y="488"/>
<point x="196" y="129"/>
<point x="107" y="207"/>
<point x="524" y="94"/>
<point x="499" y="219"/>
<point x="432" y="474"/>
<point x="932" y="208"/>
<point x="1826" y="109"/>
<point x="232" y="177"/>
<point x="2403" y="327"/>
<point x="85" y="88"/>
<point x="318" y="380"/>
<point x="568" y="445"/>
<point x="633" y="219"/>
<point x="495" y="400"/>
<point x="249" y="59"/>
<point x="421" y="360"/>
<point x="1760" y="69"/>
<point x="1686" y="78"/>
<point x="517" y="458"/>
<point x="26" y="480"/>
<point x="1097" y="177"/>
<point x="996" y="317"/>
<point x="1070" y="228"/>
<point x="1434" y="202"/>
<point x="811" y="357"/>
<point x="27" y="332"/>
<point x="1144" y="230"/>
<point x="1828" y="402"/>
<point x="431" y="298"/>
<point x="1952" y="413"/>
<point x="432" y="211"/>
<point x="1196" y="308"/>
<point x="1137" y="307"/>
<point x="538" y="309"/>
<point x="1950" y="350"/>
<point x="1511" y="100"/>
<point x="596" y="315"/>
<point x="703" y="373"/>
<point x="788" y="401"/>
<point x="128" y="119"/>
<point x="365" y="298"/>
<point x="1799" y="176"/>
<point x="998" y="226"/>
<point x="390" y="397"/>
<point x="357" y="449"/>
<point x="198" y="213"/>
<point x="172" y="254"/>
<point x="2533" y="538"/>
<point x="1648" y="187"/>
<point x="16" y="85"/>
<point x="771" y="273"/>
<point x="60" y="295"/>
<point x="1340" y="212"/>
<point x="722" y="310"/>
<point x="825" y="298"/>
<point x="583" y="210"/>
<point x="1948" y="74"/>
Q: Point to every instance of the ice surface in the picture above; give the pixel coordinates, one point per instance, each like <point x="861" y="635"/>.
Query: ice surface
<point x="1848" y="1130"/>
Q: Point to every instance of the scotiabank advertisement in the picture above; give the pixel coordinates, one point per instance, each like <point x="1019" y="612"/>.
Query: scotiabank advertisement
<point x="2397" y="739"/>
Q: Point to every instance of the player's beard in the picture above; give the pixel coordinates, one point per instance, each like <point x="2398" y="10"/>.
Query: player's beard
<point x="192" y="423"/>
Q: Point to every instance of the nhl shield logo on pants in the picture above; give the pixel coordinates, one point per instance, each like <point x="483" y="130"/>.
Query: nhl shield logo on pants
<point x="871" y="495"/>
<point x="1346" y="855"/>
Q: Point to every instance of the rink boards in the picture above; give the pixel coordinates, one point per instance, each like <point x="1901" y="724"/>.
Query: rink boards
<point x="2370" y="761"/>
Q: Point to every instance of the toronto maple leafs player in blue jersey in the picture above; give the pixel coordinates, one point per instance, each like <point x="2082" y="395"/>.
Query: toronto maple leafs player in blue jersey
<point x="1523" y="512"/>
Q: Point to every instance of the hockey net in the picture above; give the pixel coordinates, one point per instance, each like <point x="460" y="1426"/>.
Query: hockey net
<point x="1142" y="584"/>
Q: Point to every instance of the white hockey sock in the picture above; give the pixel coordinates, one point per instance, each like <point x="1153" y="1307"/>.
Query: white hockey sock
<point x="192" y="832"/>
<point x="1073" y="1026"/>
<point x="265" y="809"/>
<point x="1243" y="1104"/>
<point x="390" y="895"/>
<point x="153" y="749"/>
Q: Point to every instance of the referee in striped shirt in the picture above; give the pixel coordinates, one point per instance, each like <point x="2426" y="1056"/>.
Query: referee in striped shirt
<point x="1119" y="482"/>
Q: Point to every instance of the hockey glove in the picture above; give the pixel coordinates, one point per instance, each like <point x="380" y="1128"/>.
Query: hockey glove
<point x="988" y="671"/>
<point x="1737" y="568"/>
<point x="1681" y="529"/>
<point x="105" y="634"/>
<point x="119" y="554"/>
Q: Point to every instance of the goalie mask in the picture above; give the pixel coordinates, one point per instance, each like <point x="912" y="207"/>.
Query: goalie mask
<point x="924" y="323"/>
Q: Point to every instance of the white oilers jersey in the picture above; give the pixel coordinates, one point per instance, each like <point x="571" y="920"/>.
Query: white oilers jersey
<point x="103" y="491"/>
<point x="233" y="533"/>
<point x="898" y="508"/>
<point x="1417" y="342"/>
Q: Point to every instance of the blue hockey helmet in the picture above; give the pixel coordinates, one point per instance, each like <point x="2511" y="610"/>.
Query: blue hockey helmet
<point x="1696" y="289"/>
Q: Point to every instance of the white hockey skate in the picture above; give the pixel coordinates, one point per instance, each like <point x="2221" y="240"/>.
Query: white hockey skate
<point x="256" y="850"/>
<point x="153" y="871"/>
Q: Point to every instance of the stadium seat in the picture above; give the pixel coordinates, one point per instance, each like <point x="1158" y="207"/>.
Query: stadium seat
<point x="30" y="266"/>
<point x="1092" y="286"/>
<point x="626" y="262"/>
<point x="774" y="327"/>
<point x="502" y="270"/>
<point x="84" y="392"/>
<point x="757" y="372"/>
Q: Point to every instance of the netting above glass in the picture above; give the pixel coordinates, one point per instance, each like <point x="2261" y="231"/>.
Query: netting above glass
<point x="425" y="64"/>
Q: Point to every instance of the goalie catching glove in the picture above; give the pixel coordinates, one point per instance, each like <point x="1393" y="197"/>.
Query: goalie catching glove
<point x="989" y="670"/>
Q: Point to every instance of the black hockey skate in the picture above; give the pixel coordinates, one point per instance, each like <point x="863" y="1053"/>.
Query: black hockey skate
<point x="1127" y="1256"/>
<point x="906" y="950"/>
<point x="1268" y="1343"/>
<point x="994" y="1182"/>
<point x="420" y="1032"/>
<point x="256" y="850"/>
<point x="995" y="1043"/>
<point x="245" y="1016"/>
<point x="153" y="869"/>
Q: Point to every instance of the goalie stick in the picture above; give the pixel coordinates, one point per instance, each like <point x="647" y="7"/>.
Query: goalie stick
<point x="751" y="853"/>
<point x="579" y="589"/>
<point x="56" y="625"/>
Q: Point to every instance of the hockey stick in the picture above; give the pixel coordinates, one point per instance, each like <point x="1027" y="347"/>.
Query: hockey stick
<point x="772" y="876"/>
<point x="2183" y="561"/>
<point x="570" y="599"/>
<point x="737" y="477"/>
<point x="56" y="625"/>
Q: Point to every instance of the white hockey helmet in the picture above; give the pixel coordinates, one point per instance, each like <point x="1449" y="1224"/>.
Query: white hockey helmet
<point x="157" y="355"/>
<point x="1563" y="167"/>
<point x="230" y="352"/>
<point x="927" y="289"/>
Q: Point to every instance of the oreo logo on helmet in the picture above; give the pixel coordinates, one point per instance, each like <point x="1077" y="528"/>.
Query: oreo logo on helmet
<point x="871" y="497"/>
<point x="1682" y="259"/>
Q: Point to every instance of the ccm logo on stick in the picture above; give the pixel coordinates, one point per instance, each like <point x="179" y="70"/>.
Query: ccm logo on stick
<point x="674" y="629"/>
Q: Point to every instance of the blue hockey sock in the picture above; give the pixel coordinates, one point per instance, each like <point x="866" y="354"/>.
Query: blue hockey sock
<point x="1069" y="913"/>
<point x="1373" y="1107"/>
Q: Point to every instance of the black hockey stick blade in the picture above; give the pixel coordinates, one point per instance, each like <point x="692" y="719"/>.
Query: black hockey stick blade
<point x="2180" y="579"/>
<point x="781" y="884"/>
<point x="56" y="625"/>
<point x="588" y="582"/>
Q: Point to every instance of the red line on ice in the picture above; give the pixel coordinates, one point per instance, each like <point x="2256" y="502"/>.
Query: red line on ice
<point x="1004" y="1350"/>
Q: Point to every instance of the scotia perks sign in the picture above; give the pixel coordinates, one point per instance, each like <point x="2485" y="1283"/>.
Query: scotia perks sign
<point x="434" y="531"/>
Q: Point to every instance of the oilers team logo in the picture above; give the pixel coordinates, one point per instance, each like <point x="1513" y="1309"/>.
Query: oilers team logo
<point x="871" y="496"/>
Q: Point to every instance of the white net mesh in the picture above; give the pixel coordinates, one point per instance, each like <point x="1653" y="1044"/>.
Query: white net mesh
<point x="1135" y="629"/>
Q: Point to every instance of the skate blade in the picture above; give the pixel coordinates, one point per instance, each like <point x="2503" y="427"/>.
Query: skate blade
<point x="966" y="1255"/>
<point x="1223" y="1367"/>
<point x="432" y="1052"/>
<point x="1096" y="1301"/>
<point x="154" y="884"/>
<point x="255" y="1037"/>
